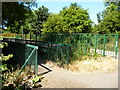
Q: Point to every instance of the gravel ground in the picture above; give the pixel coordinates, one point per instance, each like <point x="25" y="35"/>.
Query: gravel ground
<point x="61" y="78"/>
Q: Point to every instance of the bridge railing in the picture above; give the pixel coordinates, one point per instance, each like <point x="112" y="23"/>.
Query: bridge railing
<point x="51" y="51"/>
<point x="76" y="44"/>
<point x="24" y="55"/>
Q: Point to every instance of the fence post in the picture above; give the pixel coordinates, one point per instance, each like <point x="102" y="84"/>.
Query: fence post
<point x="36" y="39"/>
<point x="30" y="36"/>
<point x="67" y="55"/>
<point x="104" y="44"/>
<point x="36" y="61"/>
<point x="95" y="43"/>
<point x="116" y="44"/>
<point x="25" y="62"/>
<point x="25" y="38"/>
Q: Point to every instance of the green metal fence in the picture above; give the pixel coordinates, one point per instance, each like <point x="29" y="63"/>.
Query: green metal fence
<point x="31" y="58"/>
<point x="61" y="48"/>
<point x="56" y="52"/>
<point x="51" y="51"/>
<point x="81" y="44"/>
<point x="66" y="47"/>
<point x="24" y="55"/>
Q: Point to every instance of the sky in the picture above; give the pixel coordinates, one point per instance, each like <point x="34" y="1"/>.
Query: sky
<point x="93" y="6"/>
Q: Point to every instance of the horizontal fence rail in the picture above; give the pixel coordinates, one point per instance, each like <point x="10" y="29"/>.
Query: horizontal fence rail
<point x="104" y="44"/>
<point x="24" y="55"/>
<point x="66" y="47"/>
<point x="56" y="52"/>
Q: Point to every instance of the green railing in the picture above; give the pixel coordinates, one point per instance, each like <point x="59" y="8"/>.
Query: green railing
<point x="51" y="51"/>
<point x="35" y="48"/>
<point x="104" y="44"/>
<point x="66" y="47"/>
<point x="56" y="52"/>
<point x="24" y="55"/>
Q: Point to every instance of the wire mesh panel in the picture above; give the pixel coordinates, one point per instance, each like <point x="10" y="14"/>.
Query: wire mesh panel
<point x="66" y="47"/>
<point x="55" y="52"/>
<point x="24" y="56"/>
<point x="82" y="44"/>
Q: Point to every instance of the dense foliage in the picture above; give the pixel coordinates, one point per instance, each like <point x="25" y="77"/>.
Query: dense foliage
<point x="72" y="19"/>
<point x="3" y="58"/>
<point x="4" y="66"/>
<point x="35" y="22"/>
<point x="109" y="19"/>
<point x="14" y="14"/>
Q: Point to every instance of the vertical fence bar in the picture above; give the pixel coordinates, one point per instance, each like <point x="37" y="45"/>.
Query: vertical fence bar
<point x="36" y="39"/>
<point x="114" y="48"/>
<point x="25" y="38"/>
<point x="62" y="38"/>
<point x="67" y="55"/>
<point x="104" y="44"/>
<point x="26" y="62"/>
<point x="116" y="44"/>
<point x="30" y="37"/>
<point x="62" y="55"/>
<point x="95" y="43"/>
<point x="36" y="61"/>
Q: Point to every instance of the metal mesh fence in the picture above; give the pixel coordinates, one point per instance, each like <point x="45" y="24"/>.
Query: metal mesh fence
<point x="83" y="44"/>
<point x="24" y="55"/>
<point x="66" y="47"/>
<point x="56" y="52"/>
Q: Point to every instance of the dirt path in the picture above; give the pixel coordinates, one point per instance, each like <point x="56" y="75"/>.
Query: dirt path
<point x="60" y="78"/>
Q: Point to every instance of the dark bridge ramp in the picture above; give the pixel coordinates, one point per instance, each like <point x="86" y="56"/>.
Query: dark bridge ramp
<point x="46" y="50"/>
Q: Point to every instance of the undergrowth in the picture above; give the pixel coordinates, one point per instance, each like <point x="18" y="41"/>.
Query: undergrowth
<point x="94" y="64"/>
<point x="27" y="79"/>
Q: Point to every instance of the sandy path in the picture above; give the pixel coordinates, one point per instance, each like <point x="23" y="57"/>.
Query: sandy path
<point x="60" y="78"/>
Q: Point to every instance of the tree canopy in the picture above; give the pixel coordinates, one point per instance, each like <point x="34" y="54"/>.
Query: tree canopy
<point x="109" y="19"/>
<point x="72" y="19"/>
<point x="34" y="23"/>
<point x="18" y="17"/>
<point x="15" y="13"/>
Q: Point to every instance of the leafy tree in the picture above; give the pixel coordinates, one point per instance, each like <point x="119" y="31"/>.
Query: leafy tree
<point x="109" y="19"/>
<point x="14" y="28"/>
<point x="72" y="19"/>
<point x="40" y="17"/>
<point x="76" y="18"/>
<point x="35" y="21"/>
<point x="15" y="13"/>
<point x="111" y="23"/>
<point x="55" y="23"/>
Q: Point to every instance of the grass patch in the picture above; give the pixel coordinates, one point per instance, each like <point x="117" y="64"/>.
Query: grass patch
<point x="101" y="64"/>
